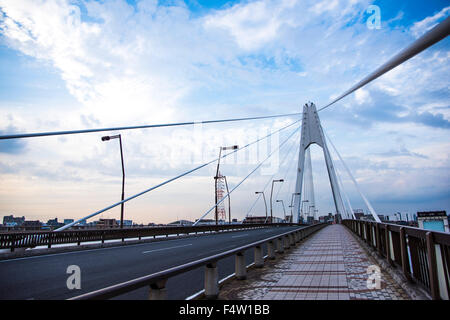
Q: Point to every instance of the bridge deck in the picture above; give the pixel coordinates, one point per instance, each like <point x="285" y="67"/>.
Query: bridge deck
<point x="330" y="265"/>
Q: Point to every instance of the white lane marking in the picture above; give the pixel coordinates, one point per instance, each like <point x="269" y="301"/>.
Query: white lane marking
<point x="185" y="245"/>
<point x="87" y="250"/>
<point x="244" y="235"/>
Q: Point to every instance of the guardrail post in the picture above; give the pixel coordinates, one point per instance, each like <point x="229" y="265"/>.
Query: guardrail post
<point x="388" y="244"/>
<point x="158" y="290"/>
<point x="378" y="235"/>
<point x="404" y="254"/>
<point x="49" y="240"/>
<point x="259" y="260"/>
<point x="286" y="242"/>
<point x="291" y="240"/>
<point x="432" y="268"/>
<point x="280" y="248"/>
<point x="211" y="281"/>
<point x="270" y="250"/>
<point x="13" y="242"/>
<point x="241" y="268"/>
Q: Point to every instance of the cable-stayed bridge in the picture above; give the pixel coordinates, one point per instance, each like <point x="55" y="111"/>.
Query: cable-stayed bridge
<point x="180" y="261"/>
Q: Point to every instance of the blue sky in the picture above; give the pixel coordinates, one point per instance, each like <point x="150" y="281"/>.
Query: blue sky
<point x="79" y="64"/>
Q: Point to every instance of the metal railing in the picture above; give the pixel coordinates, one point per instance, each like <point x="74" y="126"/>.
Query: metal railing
<point x="30" y="239"/>
<point x="157" y="281"/>
<point x="422" y="255"/>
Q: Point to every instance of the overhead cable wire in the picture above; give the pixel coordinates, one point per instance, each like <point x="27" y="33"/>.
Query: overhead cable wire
<point x="433" y="36"/>
<point x="171" y="179"/>
<point x="56" y="133"/>
<point x="285" y="175"/>
<point x="236" y="186"/>
<point x="270" y="179"/>
<point x="369" y="206"/>
<point x="351" y="214"/>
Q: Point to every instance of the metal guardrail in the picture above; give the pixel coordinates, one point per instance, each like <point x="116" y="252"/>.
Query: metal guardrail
<point x="423" y="255"/>
<point x="157" y="281"/>
<point x="30" y="239"/>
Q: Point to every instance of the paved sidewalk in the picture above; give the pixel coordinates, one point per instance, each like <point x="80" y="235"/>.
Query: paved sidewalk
<point x="330" y="265"/>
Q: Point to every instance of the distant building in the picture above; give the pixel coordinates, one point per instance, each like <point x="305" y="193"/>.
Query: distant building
<point x="327" y="218"/>
<point x="209" y="221"/>
<point x="127" y="223"/>
<point x="53" y="223"/>
<point x="181" y="223"/>
<point x="256" y="219"/>
<point x="433" y="220"/>
<point x="277" y="220"/>
<point x="11" y="221"/>
<point x="107" y="223"/>
<point x="32" y="225"/>
<point x="67" y="221"/>
<point x="359" y="213"/>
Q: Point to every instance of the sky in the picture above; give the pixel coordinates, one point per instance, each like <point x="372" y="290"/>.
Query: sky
<point x="88" y="64"/>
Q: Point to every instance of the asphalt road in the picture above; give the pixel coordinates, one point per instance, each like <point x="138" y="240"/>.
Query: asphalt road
<point x="44" y="277"/>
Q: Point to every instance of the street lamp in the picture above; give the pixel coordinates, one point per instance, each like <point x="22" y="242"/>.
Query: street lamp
<point x="226" y="183"/>
<point x="271" y="193"/>
<point x="265" y="203"/>
<point x="292" y="203"/>
<point x="303" y="211"/>
<point x="284" y="209"/>
<point x="107" y="138"/>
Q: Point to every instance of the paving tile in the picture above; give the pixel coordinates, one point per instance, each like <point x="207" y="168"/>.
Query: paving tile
<point x="329" y="265"/>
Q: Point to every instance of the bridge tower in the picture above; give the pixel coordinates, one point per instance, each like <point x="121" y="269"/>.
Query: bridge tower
<point x="312" y="132"/>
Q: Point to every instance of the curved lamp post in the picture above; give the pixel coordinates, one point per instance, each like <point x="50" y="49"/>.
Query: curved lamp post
<point x="107" y="138"/>
<point x="265" y="203"/>
<point x="271" y="193"/>
<point x="284" y="209"/>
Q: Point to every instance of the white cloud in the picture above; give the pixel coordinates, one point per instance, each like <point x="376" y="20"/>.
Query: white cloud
<point x="362" y="96"/>
<point x="154" y="63"/>
<point x="422" y="26"/>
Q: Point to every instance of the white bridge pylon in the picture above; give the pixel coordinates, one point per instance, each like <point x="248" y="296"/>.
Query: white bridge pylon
<point x="312" y="133"/>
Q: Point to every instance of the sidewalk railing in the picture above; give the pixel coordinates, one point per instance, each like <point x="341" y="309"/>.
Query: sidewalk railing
<point x="157" y="281"/>
<point x="30" y="239"/>
<point x="422" y="255"/>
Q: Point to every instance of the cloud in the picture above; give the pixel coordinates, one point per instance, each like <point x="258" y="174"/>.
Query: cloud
<point x="403" y="152"/>
<point x="149" y="62"/>
<point x="422" y="26"/>
<point x="11" y="146"/>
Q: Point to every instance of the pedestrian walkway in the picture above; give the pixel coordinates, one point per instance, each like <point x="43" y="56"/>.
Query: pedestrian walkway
<point x="330" y="265"/>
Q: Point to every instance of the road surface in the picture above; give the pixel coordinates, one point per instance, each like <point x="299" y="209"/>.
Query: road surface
<point x="44" y="277"/>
